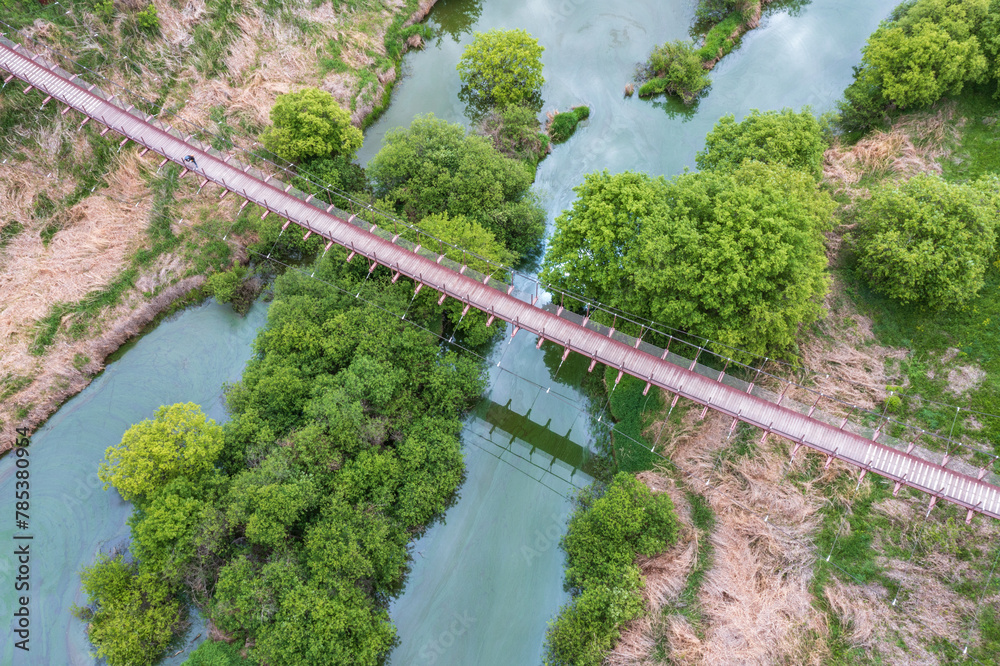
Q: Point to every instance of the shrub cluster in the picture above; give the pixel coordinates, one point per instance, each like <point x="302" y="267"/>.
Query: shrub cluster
<point x="606" y="533"/>
<point x="734" y="253"/>
<point x="435" y="167"/>
<point x="774" y="137"/>
<point x="516" y="133"/>
<point x="675" y="68"/>
<point x="564" y="124"/>
<point x="925" y="50"/>
<point x="928" y="241"/>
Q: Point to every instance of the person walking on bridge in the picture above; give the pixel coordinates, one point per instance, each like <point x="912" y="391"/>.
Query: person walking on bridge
<point x="189" y="159"/>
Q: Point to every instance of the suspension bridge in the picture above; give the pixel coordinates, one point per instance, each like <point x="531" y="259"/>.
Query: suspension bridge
<point x="869" y="449"/>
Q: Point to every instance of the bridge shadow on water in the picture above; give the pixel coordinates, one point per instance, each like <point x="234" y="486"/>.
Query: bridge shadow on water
<point x="553" y="459"/>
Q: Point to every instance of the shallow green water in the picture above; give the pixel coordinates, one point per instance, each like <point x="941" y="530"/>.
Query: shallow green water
<point x="487" y="577"/>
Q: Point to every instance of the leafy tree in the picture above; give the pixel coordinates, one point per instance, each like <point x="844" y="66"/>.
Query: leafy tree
<point x="735" y="257"/>
<point x="461" y="232"/>
<point x="927" y="49"/>
<point x="503" y="68"/>
<point x="676" y="68"/>
<point x="314" y="626"/>
<point x="342" y="446"/>
<point x="864" y="105"/>
<point x="357" y="544"/>
<point x="588" y="627"/>
<point x="248" y="594"/>
<point x="607" y="531"/>
<point x="591" y="250"/>
<point x="310" y="124"/>
<point x="162" y="536"/>
<point x="433" y="167"/>
<point x="273" y="389"/>
<point x="773" y="137"/>
<point x="919" y="66"/>
<point x="179" y="442"/>
<point x="481" y="252"/>
<point x="989" y="39"/>
<point x="926" y="241"/>
<point x="224" y="284"/>
<point x="739" y="258"/>
<point x="430" y="465"/>
<point x="133" y="615"/>
<point x="320" y="175"/>
<point x="178" y="532"/>
<point x="269" y="501"/>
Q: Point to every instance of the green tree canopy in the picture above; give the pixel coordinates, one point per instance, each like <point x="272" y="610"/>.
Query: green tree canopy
<point x="179" y="442"/>
<point x="591" y="250"/>
<point x="313" y="626"/>
<point x="735" y="257"/>
<point x="609" y="529"/>
<point x="773" y="137"/>
<point x="503" y="68"/>
<point x="343" y="445"/>
<point x="310" y="124"/>
<point x="927" y="241"/>
<point x="739" y="258"/>
<point x="920" y="65"/>
<point x="132" y="615"/>
<point x="164" y="535"/>
<point x="217" y="653"/>
<point x="927" y="49"/>
<point x="989" y="38"/>
<point x="433" y="167"/>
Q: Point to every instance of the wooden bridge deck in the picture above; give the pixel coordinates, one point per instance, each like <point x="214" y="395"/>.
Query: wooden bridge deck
<point x="939" y="481"/>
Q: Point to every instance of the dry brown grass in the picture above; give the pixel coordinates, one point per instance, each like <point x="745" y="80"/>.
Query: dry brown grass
<point x="269" y="57"/>
<point x="901" y="634"/>
<point x="58" y="377"/>
<point x="755" y="602"/>
<point x="845" y="360"/>
<point x="98" y="234"/>
<point x="92" y="246"/>
<point x="912" y="146"/>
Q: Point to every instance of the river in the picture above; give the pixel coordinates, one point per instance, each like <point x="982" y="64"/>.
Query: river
<point x="486" y="578"/>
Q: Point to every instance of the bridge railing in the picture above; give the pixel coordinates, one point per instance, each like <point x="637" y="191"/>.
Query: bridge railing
<point x="702" y="356"/>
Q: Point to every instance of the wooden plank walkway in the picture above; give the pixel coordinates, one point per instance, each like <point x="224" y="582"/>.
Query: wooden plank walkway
<point x="940" y="482"/>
